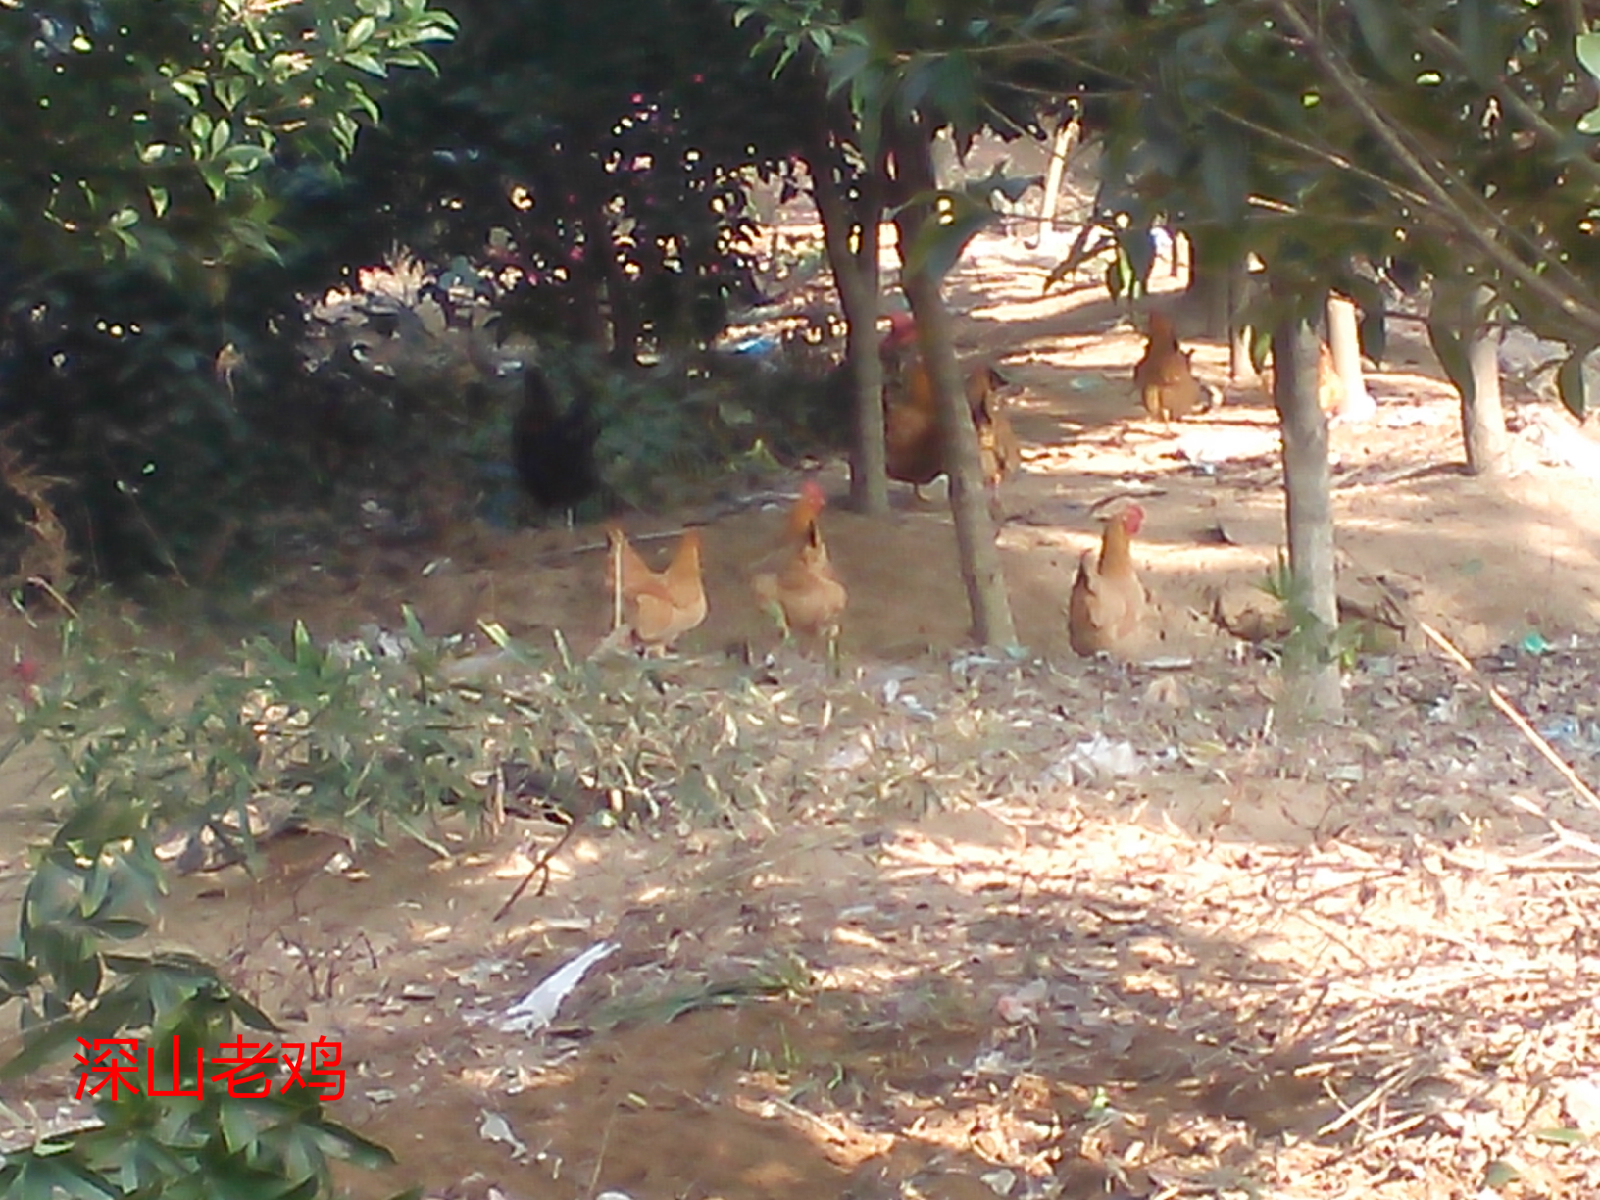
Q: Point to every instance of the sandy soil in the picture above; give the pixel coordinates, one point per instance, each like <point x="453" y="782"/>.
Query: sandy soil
<point x="941" y="945"/>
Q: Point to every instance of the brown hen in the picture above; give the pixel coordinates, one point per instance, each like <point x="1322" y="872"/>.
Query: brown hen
<point x="1167" y="386"/>
<point x="912" y="432"/>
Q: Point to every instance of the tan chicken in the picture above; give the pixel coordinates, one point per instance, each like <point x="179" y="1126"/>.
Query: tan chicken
<point x="1109" y="603"/>
<point x="998" y="446"/>
<point x="804" y="593"/>
<point x="1167" y="386"/>
<point x="1330" y="389"/>
<point x="657" y="608"/>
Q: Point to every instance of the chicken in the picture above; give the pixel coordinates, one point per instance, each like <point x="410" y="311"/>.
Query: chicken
<point x="997" y="441"/>
<point x="913" y="436"/>
<point x="1167" y="386"/>
<point x="1330" y="389"/>
<point x="553" y="451"/>
<point x="804" y="593"/>
<point x="1109" y="602"/>
<point x="658" y="608"/>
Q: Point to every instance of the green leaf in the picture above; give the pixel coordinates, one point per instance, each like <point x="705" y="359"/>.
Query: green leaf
<point x="239" y="1126"/>
<point x="1572" y="386"/>
<point x="50" y="1045"/>
<point x="346" y="1143"/>
<point x="47" y="1177"/>
<point x="363" y="60"/>
<point x="1225" y="169"/>
<point x="306" y="654"/>
<point x="17" y="974"/>
<point x="1561" y="1136"/>
<point x="1449" y="340"/>
<point x="1373" y="334"/>
<point x="1260" y="347"/>
<point x="941" y="240"/>
<point x="1499" y="1173"/>
<point x="1383" y="38"/>
<point x="361" y="31"/>
<point x="230" y="91"/>
<point x="1589" y="52"/>
<point x="1475" y="21"/>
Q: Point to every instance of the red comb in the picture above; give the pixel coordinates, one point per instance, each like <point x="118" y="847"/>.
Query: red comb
<point x="902" y="329"/>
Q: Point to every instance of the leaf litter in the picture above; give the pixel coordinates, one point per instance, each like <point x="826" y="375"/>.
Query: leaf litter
<point x="899" y="949"/>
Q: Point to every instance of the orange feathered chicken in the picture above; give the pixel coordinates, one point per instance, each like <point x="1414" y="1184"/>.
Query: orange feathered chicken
<point x="1330" y="388"/>
<point x="1108" y="604"/>
<point x="657" y="608"/>
<point x="804" y="594"/>
<point x="998" y="446"/>
<point x="912" y="432"/>
<point x="1167" y="386"/>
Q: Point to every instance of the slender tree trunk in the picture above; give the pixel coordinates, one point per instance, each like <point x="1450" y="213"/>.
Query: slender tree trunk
<point x="588" y="326"/>
<point x="1311" y="673"/>
<point x="600" y="254"/>
<point x="855" y="276"/>
<point x="1212" y="291"/>
<point x="1344" y="343"/>
<point x="992" y="623"/>
<point x="1483" y="416"/>
<point x="1239" y="334"/>
<point x="1060" y="154"/>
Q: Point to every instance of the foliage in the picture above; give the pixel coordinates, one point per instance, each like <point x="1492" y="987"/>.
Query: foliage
<point x="922" y="61"/>
<point x="605" y="175"/>
<point x="200" y="1146"/>
<point x="145" y="132"/>
<point x="1309" y="641"/>
<point x="161" y="175"/>
<point x="669" y="430"/>
<point x="362" y="738"/>
<point x="1441" y="134"/>
<point x="367" y="737"/>
<point x="112" y="390"/>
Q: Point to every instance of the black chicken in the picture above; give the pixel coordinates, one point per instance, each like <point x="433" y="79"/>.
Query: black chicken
<point x="552" y="450"/>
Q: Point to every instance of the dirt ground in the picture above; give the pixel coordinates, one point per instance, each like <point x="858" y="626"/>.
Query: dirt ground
<point x="977" y="927"/>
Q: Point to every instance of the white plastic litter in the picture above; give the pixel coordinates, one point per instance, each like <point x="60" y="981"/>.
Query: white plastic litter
<point x="539" y="1007"/>
<point x="1101" y="758"/>
<point x="492" y="1127"/>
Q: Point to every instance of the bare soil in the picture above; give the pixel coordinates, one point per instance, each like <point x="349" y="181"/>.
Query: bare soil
<point x="943" y="944"/>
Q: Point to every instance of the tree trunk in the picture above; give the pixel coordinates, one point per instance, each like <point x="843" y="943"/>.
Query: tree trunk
<point x="587" y="179"/>
<point x="1344" y="343"/>
<point x="588" y="325"/>
<point x="1060" y="154"/>
<point x="855" y="277"/>
<point x="1483" y="416"/>
<point x="1212" y="292"/>
<point x="1311" y="671"/>
<point x="1238" y="334"/>
<point x="992" y="624"/>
